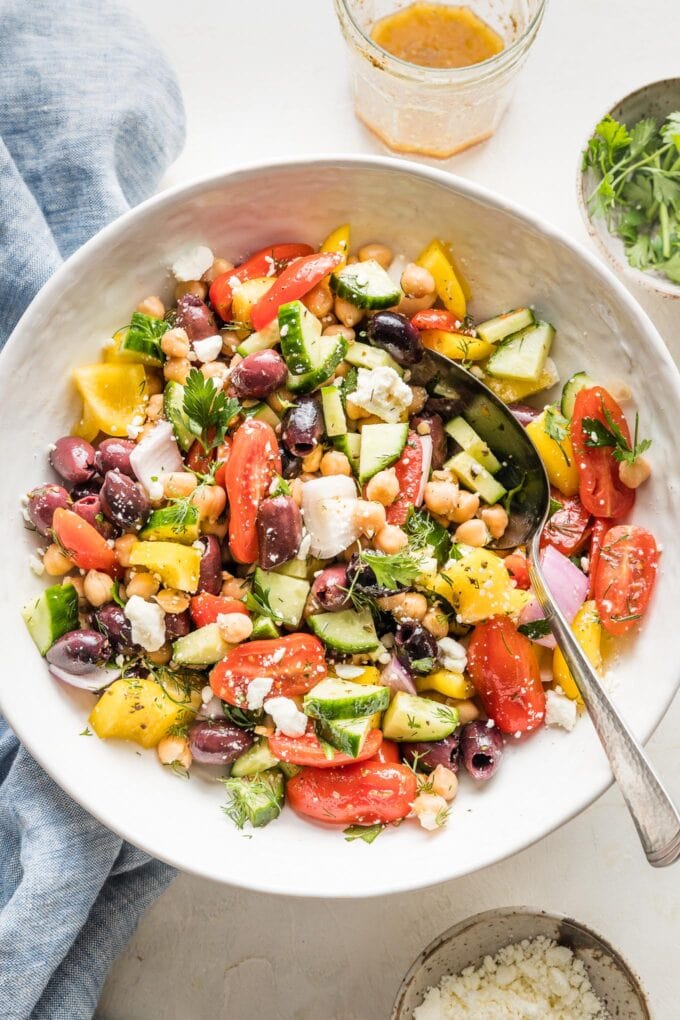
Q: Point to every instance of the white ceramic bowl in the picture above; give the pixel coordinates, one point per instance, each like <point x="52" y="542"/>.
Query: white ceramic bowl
<point x="511" y="258"/>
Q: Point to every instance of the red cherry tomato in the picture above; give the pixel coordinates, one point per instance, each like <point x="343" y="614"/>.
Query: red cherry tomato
<point x="223" y="287"/>
<point x="625" y="576"/>
<point x="600" y="529"/>
<point x="388" y="753"/>
<point x="438" y="318"/>
<point x="602" y="492"/>
<point x="197" y="458"/>
<point x="308" y="750"/>
<point x="568" y="528"/>
<point x="87" y="548"/>
<point x="294" y="282"/>
<point x="363" y="794"/>
<point x="252" y="464"/>
<point x="205" y="608"/>
<point x="222" y="456"/>
<point x="408" y="469"/>
<point x="296" y="662"/>
<point x="504" y="669"/>
<point x="518" y="568"/>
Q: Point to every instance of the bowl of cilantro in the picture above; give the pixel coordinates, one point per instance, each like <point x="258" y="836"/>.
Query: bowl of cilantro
<point x="629" y="194"/>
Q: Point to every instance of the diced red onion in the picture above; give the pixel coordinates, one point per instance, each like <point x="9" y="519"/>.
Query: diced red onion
<point x="426" y="448"/>
<point x="93" y="681"/>
<point x="568" y="586"/>
<point x="155" y="455"/>
<point x="396" y="677"/>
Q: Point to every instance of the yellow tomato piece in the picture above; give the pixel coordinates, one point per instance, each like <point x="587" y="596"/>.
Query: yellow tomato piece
<point x="142" y="710"/>
<point x="247" y="295"/>
<point x="87" y="428"/>
<point x="112" y="394"/>
<point x="178" y="565"/>
<point x="436" y="258"/>
<point x="557" y="456"/>
<point x="338" y="242"/>
<point x="456" y="345"/>
<point x="445" y="681"/>
<point x="512" y="390"/>
<point x="478" y="586"/>
<point x="368" y="675"/>
<point x="588" y="630"/>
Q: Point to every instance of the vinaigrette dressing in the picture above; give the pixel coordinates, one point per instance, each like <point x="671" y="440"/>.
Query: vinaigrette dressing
<point x="436" y="35"/>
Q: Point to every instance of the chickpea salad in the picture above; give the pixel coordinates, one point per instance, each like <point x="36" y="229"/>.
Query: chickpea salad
<point x="273" y="552"/>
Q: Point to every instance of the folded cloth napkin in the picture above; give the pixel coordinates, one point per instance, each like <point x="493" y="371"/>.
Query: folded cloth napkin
<point x="90" y="116"/>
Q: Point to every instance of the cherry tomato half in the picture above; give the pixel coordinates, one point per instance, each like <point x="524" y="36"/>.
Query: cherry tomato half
<point x="505" y="672"/>
<point x="308" y="750"/>
<point x="600" y="529"/>
<point x="294" y="282"/>
<point x="250" y="469"/>
<point x="205" y="608"/>
<point x="602" y="492"/>
<point x="223" y="287"/>
<point x="518" y="568"/>
<point x="437" y="318"/>
<point x="361" y="794"/>
<point x="409" y="470"/>
<point x="82" y="542"/>
<point x="625" y="576"/>
<point x="568" y="528"/>
<point x="388" y="753"/>
<point x="296" y="662"/>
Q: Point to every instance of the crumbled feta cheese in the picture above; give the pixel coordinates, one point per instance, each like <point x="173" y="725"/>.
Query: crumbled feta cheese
<point x="560" y="710"/>
<point x="36" y="564"/>
<point x="287" y="716"/>
<point x="258" y="689"/>
<point x="198" y="544"/>
<point x="209" y="348"/>
<point x="148" y="623"/>
<point x="452" y="655"/>
<point x="206" y="694"/>
<point x="382" y="392"/>
<point x="135" y="427"/>
<point x="346" y="671"/>
<point x="156" y="491"/>
<point x="303" y="550"/>
<point x="192" y="264"/>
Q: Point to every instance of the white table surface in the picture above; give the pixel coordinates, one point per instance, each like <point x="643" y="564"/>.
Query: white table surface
<point x="266" y="78"/>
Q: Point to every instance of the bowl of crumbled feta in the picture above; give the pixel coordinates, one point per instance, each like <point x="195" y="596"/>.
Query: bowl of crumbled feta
<point x="515" y="963"/>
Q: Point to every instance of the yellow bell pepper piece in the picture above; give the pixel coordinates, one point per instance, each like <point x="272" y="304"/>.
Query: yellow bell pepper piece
<point x="478" y="586"/>
<point x="338" y="242"/>
<point x="512" y="390"/>
<point x="445" y="681"/>
<point x="456" y="345"/>
<point x="436" y="259"/>
<point x="557" y="456"/>
<point x="369" y="675"/>
<point x="142" y="710"/>
<point x="87" y="428"/>
<point x="113" y="395"/>
<point x="178" y="565"/>
<point x="247" y="295"/>
<point x="588" y="630"/>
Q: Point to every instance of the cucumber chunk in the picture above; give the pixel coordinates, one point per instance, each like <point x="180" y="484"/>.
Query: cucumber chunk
<point x="471" y="443"/>
<point x="501" y="326"/>
<point x="572" y="387"/>
<point x="51" y="615"/>
<point x="256" y="799"/>
<point x="142" y="339"/>
<point x="342" y="699"/>
<point x="346" y="735"/>
<point x="262" y="412"/>
<point x="286" y="595"/>
<point x="257" y="758"/>
<point x="366" y="285"/>
<point x="347" y="631"/>
<point x="350" y="445"/>
<point x="289" y="770"/>
<point x="264" y="627"/>
<point x="263" y="340"/>
<point x="203" y="647"/>
<point x="412" y="718"/>
<point x="331" y="351"/>
<point x="363" y="356"/>
<point x="524" y="355"/>
<point x="173" y="408"/>
<point x="300" y="333"/>
<point x="294" y="568"/>
<point x="475" y="477"/>
<point x="381" y="445"/>
<point x="333" y="411"/>
<point x="165" y="525"/>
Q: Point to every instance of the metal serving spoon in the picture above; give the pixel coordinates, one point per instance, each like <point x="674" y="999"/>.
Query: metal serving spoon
<point x="655" y="816"/>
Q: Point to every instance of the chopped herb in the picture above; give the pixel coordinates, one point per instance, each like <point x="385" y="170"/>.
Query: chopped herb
<point x="557" y="427"/>
<point x="181" y="514"/>
<point x="241" y="791"/>
<point x="208" y="410"/>
<point x="425" y="665"/>
<point x="87" y="732"/>
<point x="239" y="717"/>
<point x="535" y="630"/>
<point x="257" y="601"/>
<point x="234" y="326"/>
<point x="115" y="594"/>
<point x="423" y="531"/>
<point x="279" y="487"/>
<point x="510" y="495"/>
<point x="597" y="435"/>
<point x="144" y="328"/>
<point x="396" y="570"/>
<point x="447" y="715"/>
<point x="368" y="833"/>
<point x="179" y="770"/>
<point x="555" y="505"/>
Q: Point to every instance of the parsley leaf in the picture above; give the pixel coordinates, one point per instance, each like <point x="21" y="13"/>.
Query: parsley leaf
<point x="535" y="630"/>
<point x="115" y="595"/>
<point x="556" y="426"/>
<point x="368" y="833"/>
<point x="396" y="570"/>
<point x="257" y="601"/>
<point x="208" y="409"/>
<point x="145" y="329"/>
<point x="598" y="435"/>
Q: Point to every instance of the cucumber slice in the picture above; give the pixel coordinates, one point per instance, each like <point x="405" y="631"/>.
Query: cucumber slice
<point x="300" y="333"/>
<point x="331" y="352"/>
<point x="366" y="285"/>
<point x="333" y="411"/>
<point x="286" y="595"/>
<point x="203" y="647"/>
<point x="475" y="477"/>
<point x="142" y="339"/>
<point x="294" y="568"/>
<point x="342" y="699"/>
<point x="264" y="627"/>
<point x="256" y="799"/>
<point x="257" y="758"/>
<point x="165" y="525"/>
<point x="572" y="387"/>
<point x="410" y="718"/>
<point x="262" y="412"/>
<point x="381" y="445"/>
<point x="504" y="325"/>
<point x="524" y="355"/>
<point x="471" y="443"/>
<point x="350" y="445"/>
<point x="53" y="614"/>
<point x="348" y="631"/>
<point x="289" y="770"/>
<point x="173" y="408"/>
<point x="363" y="356"/>
<point x="346" y="735"/>
<point x="263" y="340"/>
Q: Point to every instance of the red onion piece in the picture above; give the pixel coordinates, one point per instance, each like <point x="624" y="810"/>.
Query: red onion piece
<point x="568" y="586"/>
<point x="426" y="447"/>
<point x="396" y="677"/>
<point x="93" y="681"/>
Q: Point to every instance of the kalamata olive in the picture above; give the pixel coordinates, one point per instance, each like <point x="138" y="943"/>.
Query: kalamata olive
<point x="123" y="501"/>
<point x="446" y="407"/>
<point x="177" y="625"/>
<point x="89" y="488"/>
<point x="290" y="466"/>
<point x="395" y="334"/>
<point x="330" y="588"/>
<point x="427" y="754"/>
<point x="303" y="427"/>
<point x="42" y="502"/>
<point x="79" y="651"/>
<point x="481" y="748"/>
<point x="195" y="318"/>
<point x="259" y="374"/>
<point x="524" y="413"/>
<point x="436" y="433"/>
<point x="416" y="648"/>
<point x="73" y="459"/>
<point x="112" y="622"/>
<point x="362" y="577"/>
<point x="114" y="455"/>
<point x="90" y="509"/>
<point x="217" y="742"/>
<point x="279" y="531"/>
<point x="210" y="577"/>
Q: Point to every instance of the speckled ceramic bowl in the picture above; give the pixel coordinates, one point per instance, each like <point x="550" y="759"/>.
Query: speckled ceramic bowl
<point x="467" y="943"/>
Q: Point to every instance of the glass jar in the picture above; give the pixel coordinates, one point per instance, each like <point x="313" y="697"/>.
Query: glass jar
<point x="435" y="111"/>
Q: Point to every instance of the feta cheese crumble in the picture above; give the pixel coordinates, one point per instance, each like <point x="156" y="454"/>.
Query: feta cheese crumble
<point x="258" y="689"/>
<point x="382" y="392"/>
<point x="560" y="710"/>
<point x="148" y="623"/>
<point x="287" y="716"/>
<point x="452" y="655"/>
<point x="209" y="348"/>
<point x="192" y="264"/>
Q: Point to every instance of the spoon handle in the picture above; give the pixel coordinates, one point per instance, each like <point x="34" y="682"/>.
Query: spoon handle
<point x="652" y="810"/>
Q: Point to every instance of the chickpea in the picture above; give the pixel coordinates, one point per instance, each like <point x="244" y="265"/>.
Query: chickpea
<point x="466" y="508"/>
<point x="383" y="487"/>
<point x="409" y="605"/>
<point x="210" y="500"/>
<point x="633" y="475"/>
<point x="177" y="370"/>
<point x="473" y="532"/>
<point x="233" y="587"/>
<point x="295" y="486"/>
<point x="423" y="428"/>
<point x="342" y="370"/>
<point x="467" y="711"/>
<point x="353" y="411"/>
<point x="339" y="330"/>
<point x="217" y="528"/>
<point x="143" y="584"/>
<point x="151" y="306"/>
<point x="380" y="253"/>
<point x="79" y="586"/>
<point x="154" y="408"/>
<point x="177" y="484"/>
<point x="496" y="520"/>
<point x="444" y="782"/>
<point x="347" y="313"/>
<point x="441" y="497"/>
<point x="174" y="749"/>
<point x="154" y="383"/>
<point x="162" y="655"/>
<point x="56" y="562"/>
<point x="215" y="370"/>
<point x="218" y="267"/>
<point x="97" y="588"/>
<point x="312" y="461"/>
<point x="123" y="547"/>
<point x="419" y="397"/>
<point x="196" y="287"/>
<point x="175" y="344"/>
<point x="335" y="463"/>
<point x="430" y="810"/>
<point x="371" y="419"/>
<point x="369" y="517"/>
<point x="280" y="400"/>
<point x="390" y="539"/>
<point x="416" y="281"/>
<point x="620" y="391"/>
<point x="436" y="623"/>
<point x="319" y="300"/>
<point x="235" y="627"/>
<point x="172" y="601"/>
<point x="408" y="306"/>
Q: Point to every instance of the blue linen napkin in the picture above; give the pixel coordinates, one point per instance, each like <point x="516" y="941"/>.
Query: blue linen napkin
<point x="90" y="116"/>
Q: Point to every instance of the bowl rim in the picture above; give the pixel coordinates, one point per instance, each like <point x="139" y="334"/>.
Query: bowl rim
<point x="78" y="261"/>
<point x="501" y="912"/>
